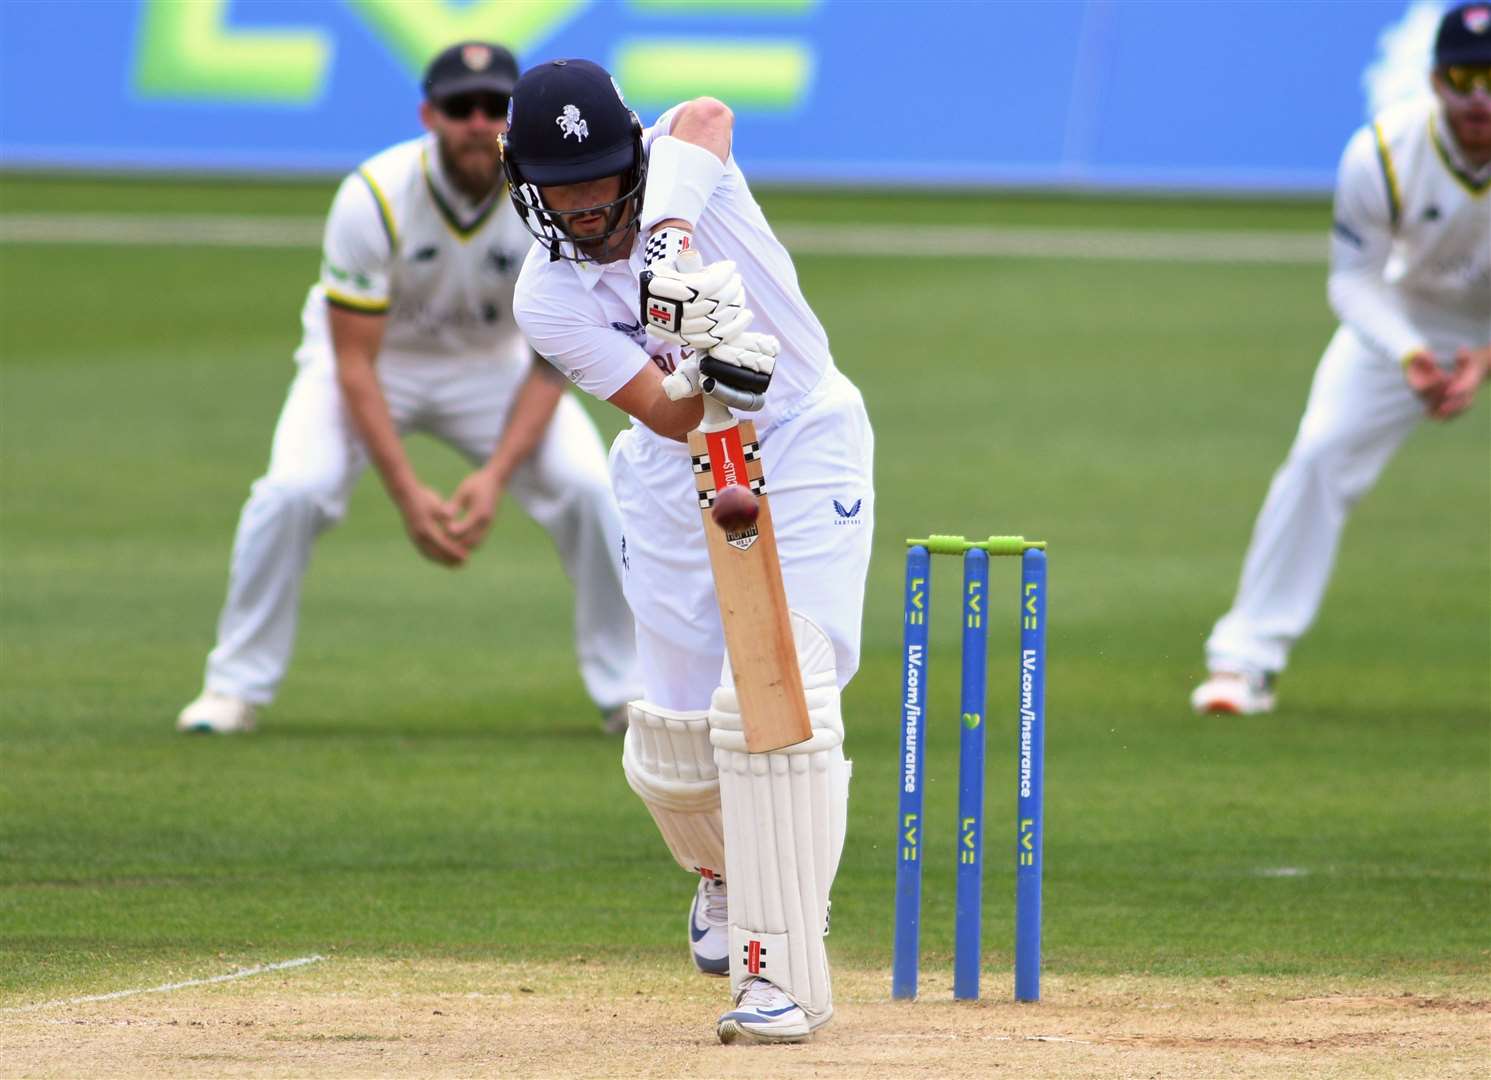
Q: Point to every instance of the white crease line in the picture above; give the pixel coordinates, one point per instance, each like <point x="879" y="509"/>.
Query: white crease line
<point x="1056" y="1038"/>
<point x="930" y="241"/>
<point x="954" y="1037"/>
<point x="242" y="974"/>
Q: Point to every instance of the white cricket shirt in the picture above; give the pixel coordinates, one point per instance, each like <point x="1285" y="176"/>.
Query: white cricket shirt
<point x="586" y="319"/>
<point x="401" y="240"/>
<point x="1411" y="241"/>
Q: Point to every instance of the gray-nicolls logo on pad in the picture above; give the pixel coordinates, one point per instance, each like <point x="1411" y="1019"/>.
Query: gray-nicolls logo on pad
<point x="570" y="123"/>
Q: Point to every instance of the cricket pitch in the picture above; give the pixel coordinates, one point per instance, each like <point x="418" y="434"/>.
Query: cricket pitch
<point x="353" y="1017"/>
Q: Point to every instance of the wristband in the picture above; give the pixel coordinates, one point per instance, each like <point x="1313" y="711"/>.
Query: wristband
<point x="667" y="244"/>
<point x="680" y="178"/>
<point x="1406" y="358"/>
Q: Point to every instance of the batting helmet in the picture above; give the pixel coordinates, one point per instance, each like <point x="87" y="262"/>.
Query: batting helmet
<point x="570" y="124"/>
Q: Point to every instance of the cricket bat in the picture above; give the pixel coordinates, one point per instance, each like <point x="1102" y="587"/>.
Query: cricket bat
<point x="748" y="585"/>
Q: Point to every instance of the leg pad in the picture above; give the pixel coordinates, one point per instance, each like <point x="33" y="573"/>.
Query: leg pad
<point x="785" y="815"/>
<point x="669" y="763"/>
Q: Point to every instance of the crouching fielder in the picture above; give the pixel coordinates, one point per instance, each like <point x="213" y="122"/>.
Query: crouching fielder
<point x="1411" y="280"/>
<point x="654" y="261"/>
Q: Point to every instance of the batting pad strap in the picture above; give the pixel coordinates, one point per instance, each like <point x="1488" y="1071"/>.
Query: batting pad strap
<point x="669" y="763"/>
<point x="680" y="178"/>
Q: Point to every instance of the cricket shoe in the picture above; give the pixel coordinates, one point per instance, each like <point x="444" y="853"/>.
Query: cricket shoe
<point x="217" y="714"/>
<point x="764" y="1013"/>
<point x="1235" y="694"/>
<point x="709" y="928"/>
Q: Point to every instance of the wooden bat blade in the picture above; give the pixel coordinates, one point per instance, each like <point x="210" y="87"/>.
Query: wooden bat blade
<point x="752" y="599"/>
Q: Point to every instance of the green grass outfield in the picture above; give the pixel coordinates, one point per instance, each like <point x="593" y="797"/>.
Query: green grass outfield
<point x="432" y="781"/>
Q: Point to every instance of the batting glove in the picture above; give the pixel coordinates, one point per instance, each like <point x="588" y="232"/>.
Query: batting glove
<point x="687" y="303"/>
<point x="689" y="380"/>
<point x="745" y="362"/>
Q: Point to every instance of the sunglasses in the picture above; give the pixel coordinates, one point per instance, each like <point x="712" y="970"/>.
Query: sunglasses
<point x="461" y="106"/>
<point x="1464" y="80"/>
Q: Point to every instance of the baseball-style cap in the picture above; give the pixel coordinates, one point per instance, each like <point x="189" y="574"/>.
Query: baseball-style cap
<point x="469" y="66"/>
<point x="569" y="124"/>
<point x="1464" y="36"/>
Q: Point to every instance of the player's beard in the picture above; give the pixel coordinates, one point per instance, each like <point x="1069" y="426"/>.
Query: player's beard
<point x="610" y="248"/>
<point x="472" y="163"/>
<point x="1471" y="123"/>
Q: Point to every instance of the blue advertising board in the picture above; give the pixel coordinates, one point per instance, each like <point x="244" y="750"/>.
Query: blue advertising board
<point x="1235" y="94"/>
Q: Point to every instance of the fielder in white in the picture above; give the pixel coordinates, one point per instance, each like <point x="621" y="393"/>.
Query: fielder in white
<point x="610" y="201"/>
<point x="1411" y="281"/>
<point x="411" y="328"/>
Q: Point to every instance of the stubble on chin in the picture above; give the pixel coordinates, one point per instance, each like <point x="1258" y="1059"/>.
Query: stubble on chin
<point x="472" y="167"/>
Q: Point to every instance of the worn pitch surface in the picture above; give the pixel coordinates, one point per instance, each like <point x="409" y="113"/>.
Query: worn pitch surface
<point x="357" y="1018"/>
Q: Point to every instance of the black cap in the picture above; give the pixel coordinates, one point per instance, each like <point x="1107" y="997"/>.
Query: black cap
<point x="569" y="124"/>
<point x="470" y="66"/>
<point x="1464" y="36"/>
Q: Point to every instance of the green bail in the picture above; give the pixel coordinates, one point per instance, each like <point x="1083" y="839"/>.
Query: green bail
<point x="938" y="544"/>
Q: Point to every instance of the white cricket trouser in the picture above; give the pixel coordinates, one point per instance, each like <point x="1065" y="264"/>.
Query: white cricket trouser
<point x="818" y="465"/>
<point x="1359" y="412"/>
<point x="316" y="460"/>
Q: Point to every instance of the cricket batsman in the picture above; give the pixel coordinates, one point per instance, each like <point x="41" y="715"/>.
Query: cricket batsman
<point x="632" y="221"/>
<point x="1410" y="280"/>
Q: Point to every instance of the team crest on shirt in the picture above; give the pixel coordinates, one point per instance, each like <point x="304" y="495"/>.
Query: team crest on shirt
<point x="570" y="123"/>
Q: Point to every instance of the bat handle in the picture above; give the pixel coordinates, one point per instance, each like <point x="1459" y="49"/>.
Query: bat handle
<point x="716" y="416"/>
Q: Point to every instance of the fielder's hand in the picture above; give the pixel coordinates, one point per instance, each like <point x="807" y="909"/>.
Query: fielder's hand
<point x="1462" y="383"/>
<point x="688" y="303"/>
<point x="427" y="521"/>
<point x="1425" y="378"/>
<point x="473" y="507"/>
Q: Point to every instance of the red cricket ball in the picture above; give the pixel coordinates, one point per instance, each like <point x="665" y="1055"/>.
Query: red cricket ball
<point x="735" y="508"/>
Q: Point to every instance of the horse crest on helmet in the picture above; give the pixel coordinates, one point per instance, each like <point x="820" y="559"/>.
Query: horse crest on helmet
<point x="570" y="123"/>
